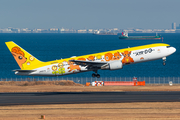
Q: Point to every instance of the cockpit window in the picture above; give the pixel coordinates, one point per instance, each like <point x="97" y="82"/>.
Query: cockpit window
<point x="168" y="46"/>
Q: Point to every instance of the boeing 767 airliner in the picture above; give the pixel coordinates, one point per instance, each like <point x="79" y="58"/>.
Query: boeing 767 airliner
<point x="110" y="60"/>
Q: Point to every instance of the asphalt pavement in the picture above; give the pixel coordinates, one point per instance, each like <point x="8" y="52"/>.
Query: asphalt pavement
<point x="38" y="98"/>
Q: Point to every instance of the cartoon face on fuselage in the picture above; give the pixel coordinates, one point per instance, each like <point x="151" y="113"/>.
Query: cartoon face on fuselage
<point x="108" y="56"/>
<point x="91" y="58"/>
<point x="117" y="56"/>
<point x="127" y="58"/>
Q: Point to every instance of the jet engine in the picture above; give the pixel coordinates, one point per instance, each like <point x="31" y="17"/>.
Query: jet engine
<point x="112" y="65"/>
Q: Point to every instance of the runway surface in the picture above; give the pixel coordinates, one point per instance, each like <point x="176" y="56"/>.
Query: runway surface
<point x="86" y="97"/>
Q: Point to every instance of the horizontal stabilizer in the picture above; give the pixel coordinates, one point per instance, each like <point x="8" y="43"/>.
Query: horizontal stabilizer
<point x="24" y="70"/>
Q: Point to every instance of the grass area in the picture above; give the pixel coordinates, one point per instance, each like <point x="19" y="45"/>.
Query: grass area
<point x="98" y="111"/>
<point x="32" y="83"/>
<point x="70" y="86"/>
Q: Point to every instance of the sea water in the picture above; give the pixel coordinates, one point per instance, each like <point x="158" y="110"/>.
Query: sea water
<point x="48" y="46"/>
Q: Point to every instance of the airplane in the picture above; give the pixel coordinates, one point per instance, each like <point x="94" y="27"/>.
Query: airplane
<point x="110" y="60"/>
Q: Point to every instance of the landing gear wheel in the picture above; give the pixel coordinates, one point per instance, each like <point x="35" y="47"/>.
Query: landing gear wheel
<point x="98" y="76"/>
<point x="93" y="75"/>
<point x="164" y="61"/>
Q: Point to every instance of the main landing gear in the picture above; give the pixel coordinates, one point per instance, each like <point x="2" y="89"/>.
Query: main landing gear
<point x="164" y="61"/>
<point x="95" y="74"/>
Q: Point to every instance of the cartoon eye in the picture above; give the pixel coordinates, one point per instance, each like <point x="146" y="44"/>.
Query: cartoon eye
<point x="20" y="57"/>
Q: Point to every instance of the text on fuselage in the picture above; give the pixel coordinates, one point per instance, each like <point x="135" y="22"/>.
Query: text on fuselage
<point x="144" y="52"/>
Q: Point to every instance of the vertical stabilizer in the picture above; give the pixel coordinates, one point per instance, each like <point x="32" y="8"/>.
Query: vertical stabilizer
<point x="25" y="60"/>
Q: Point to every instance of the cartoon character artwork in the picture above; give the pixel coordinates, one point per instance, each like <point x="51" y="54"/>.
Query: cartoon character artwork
<point x="127" y="58"/>
<point x="58" y="69"/>
<point x="48" y="69"/>
<point x="91" y="58"/>
<point x="108" y="56"/>
<point x="73" y="67"/>
<point x="54" y="68"/>
<point x="98" y="57"/>
<point x="60" y="65"/>
<point x="18" y="56"/>
<point x="83" y="59"/>
<point x="31" y="58"/>
<point x="28" y="63"/>
<point x="158" y="50"/>
<point x="116" y="56"/>
<point x="61" y="70"/>
<point x="141" y="58"/>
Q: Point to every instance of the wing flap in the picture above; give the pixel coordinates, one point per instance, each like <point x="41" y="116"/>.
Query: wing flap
<point x="89" y="64"/>
<point x="79" y="62"/>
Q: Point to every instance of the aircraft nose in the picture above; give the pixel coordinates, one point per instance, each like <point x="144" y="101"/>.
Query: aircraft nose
<point x="173" y="49"/>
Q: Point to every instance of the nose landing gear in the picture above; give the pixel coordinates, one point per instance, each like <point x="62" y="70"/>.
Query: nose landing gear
<point x="95" y="74"/>
<point x="164" y="61"/>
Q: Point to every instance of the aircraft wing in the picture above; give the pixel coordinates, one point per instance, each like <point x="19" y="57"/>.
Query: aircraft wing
<point x="89" y="64"/>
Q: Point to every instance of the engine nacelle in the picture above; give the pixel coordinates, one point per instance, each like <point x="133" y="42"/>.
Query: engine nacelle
<point x="112" y="65"/>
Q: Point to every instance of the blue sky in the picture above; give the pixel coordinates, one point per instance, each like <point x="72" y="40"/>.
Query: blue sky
<point x="79" y="14"/>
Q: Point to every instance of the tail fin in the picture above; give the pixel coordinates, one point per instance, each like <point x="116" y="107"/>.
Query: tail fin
<point x="25" y="60"/>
